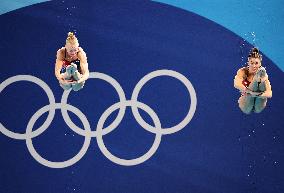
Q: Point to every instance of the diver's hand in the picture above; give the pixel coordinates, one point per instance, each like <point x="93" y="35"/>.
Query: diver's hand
<point x="256" y="94"/>
<point x="245" y="92"/>
<point x="248" y="92"/>
<point x="74" y="82"/>
<point x="253" y="94"/>
<point x="65" y="81"/>
<point x="61" y="80"/>
<point x="261" y="97"/>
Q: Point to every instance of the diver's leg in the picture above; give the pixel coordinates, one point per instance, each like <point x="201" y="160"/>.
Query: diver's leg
<point x="78" y="86"/>
<point x="246" y="104"/>
<point x="259" y="105"/>
<point x="77" y="75"/>
<point x="70" y="70"/>
<point x="262" y="86"/>
<point x="66" y="86"/>
<point x="253" y="86"/>
<point x="66" y="76"/>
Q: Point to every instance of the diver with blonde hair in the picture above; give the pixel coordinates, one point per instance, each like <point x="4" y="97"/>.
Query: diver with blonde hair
<point x="253" y="83"/>
<point x="71" y="68"/>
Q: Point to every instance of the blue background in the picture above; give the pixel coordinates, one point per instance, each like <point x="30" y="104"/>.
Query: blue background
<point x="220" y="150"/>
<point x="257" y="21"/>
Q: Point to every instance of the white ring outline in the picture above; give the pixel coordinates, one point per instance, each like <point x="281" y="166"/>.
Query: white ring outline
<point x="117" y="120"/>
<point x="51" y="99"/>
<point x="188" y="85"/>
<point x="140" y="159"/>
<point x="74" y="159"/>
<point x="100" y="130"/>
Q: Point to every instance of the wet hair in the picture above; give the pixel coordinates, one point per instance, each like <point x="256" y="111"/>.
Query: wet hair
<point x="71" y="39"/>
<point x="254" y="53"/>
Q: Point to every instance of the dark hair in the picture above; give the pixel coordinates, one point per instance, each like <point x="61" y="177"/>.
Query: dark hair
<point x="254" y="53"/>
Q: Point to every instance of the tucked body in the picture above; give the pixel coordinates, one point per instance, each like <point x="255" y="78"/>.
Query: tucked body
<point x="253" y="83"/>
<point x="71" y="68"/>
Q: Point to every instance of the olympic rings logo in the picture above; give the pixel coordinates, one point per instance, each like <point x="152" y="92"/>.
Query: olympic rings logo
<point x="100" y="130"/>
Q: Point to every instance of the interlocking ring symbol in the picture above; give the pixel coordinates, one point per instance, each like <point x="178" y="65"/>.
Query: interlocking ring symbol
<point x="100" y="130"/>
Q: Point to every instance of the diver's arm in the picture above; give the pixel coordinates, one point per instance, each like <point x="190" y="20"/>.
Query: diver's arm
<point x="58" y="65"/>
<point x="238" y="84"/>
<point x="238" y="81"/>
<point x="84" y="66"/>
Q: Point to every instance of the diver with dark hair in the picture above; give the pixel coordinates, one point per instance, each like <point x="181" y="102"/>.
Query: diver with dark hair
<point x="253" y="83"/>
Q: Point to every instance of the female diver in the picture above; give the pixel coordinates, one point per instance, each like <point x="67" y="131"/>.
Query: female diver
<point x="71" y="68"/>
<point x="253" y="83"/>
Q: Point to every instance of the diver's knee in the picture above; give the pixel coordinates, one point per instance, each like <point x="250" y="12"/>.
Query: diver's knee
<point x="259" y="109"/>
<point x="65" y="87"/>
<point x="78" y="87"/>
<point x="260" y="104"/>
<point x="246" y="110"/>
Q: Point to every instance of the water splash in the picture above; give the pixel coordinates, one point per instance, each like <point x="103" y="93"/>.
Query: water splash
<point x="245" y="46"/>
<point x="242" y="51"/>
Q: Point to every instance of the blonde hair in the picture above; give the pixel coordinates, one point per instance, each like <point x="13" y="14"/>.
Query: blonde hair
<point x="71" y="39"/>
